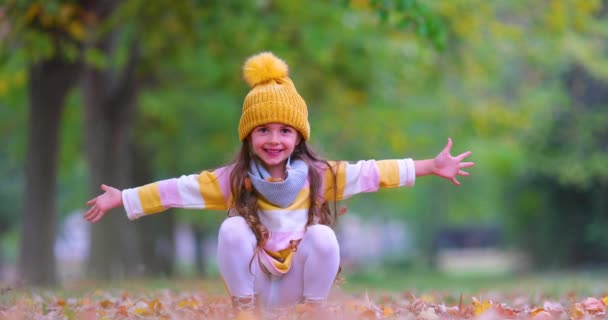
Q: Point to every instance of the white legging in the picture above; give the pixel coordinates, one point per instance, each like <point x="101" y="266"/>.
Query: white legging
<point x="312" y="273"/>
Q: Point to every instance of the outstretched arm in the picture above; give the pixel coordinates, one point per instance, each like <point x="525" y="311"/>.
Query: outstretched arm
<point x="110" y="199"/>
<point x="444" y="165"/>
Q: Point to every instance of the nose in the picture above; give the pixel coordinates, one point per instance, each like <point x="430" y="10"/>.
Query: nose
<point x="274" y="137"/>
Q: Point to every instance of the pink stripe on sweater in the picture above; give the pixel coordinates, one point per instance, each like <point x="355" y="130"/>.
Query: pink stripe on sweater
<point x="223" y="178"/>
<point x="169" y="193"/>
<point x="369" y="179"/>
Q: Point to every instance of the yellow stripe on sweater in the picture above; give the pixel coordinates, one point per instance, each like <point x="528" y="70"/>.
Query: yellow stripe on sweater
<point x="340" y="169"/>
<point x="211" y="192"/>
<point x="150" y="198"/>
<point x="389" y="173"/>
<point x="302" y="201"/>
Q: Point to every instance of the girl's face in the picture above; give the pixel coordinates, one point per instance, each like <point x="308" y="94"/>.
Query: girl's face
<point x="273" y="143"/>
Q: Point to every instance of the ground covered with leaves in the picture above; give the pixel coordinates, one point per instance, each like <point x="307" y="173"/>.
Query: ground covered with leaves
<point x="159" y="303"/>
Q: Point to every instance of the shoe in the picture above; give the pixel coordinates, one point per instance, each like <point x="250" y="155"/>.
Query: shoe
<point x="311" y="309"/>
<point x="245" y="308"/>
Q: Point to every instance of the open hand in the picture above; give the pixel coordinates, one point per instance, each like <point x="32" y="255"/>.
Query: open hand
<point x="449" y="167"/>
<point x="101" y="204"/>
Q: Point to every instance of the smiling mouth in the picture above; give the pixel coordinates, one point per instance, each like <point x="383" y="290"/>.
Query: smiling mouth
<point x="273" y="151"/>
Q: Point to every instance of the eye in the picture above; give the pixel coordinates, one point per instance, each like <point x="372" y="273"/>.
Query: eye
<point x="262" y="129"/>
<point x="286" y="130"/>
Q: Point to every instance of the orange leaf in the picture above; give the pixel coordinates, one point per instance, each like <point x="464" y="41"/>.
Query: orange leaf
<point x="506" y="312"/>
<point x="155" y="305"/>
<point x="577" y="311"/>
<point x="122" y="310"/>
<point x="368" y="314"/>
<point x="105" y="304"/>
<point x="387" y="311"/>
<point x="536" y="311"/>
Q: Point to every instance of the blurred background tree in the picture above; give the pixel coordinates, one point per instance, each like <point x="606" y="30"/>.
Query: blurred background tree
<point x="160" y="95"/>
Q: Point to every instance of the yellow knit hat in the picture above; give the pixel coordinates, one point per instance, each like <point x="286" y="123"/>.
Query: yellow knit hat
<point x="273" y="96"/>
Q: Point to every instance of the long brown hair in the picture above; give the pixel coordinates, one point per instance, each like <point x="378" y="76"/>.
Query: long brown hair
<point x="245" y="198"/>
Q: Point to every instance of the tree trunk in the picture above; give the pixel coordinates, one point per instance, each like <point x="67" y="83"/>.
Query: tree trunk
<point x="157" y="232"/>
<point x="49" y="83"/>
<point x="109" y="97"/>
<point x="200" y="256"/>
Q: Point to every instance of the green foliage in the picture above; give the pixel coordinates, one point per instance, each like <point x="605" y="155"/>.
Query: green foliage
<point x="382" y="79"/>
<point x="13" y="129"/>
<point x="415" y="16"/>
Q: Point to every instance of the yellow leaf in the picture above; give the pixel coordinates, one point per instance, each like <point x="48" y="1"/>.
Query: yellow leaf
<point x="76" y="30"/>
<point x="481" y="306"/>
<point x="141" y="311"/>
<point x="605" y="300"/>
<point x="189" y="303"/>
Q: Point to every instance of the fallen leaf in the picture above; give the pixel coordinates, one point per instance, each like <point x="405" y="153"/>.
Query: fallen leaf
<point x="542" y="315"/>
<point x="387" y="311"/>
<point x="481" y="306"/>
<point x="428" y="314"/>
<point x="593" y="305"/>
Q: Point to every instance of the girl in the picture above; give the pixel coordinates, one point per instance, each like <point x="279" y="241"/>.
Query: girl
<point x="276" y="245"/>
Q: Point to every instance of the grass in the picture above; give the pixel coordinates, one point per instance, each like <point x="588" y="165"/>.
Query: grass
<point x="374" y="281"/>
<point x="548" y="284"/>
<point x="388" y="293"/>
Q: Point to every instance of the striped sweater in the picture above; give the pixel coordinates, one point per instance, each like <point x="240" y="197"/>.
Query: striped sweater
<point x="211" y="190"/>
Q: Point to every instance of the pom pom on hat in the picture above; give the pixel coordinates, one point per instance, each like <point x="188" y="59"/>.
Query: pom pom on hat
<point x="264" y="67"/>
<point x="273" y="96"/>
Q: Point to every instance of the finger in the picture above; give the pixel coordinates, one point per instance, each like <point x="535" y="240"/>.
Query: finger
<point x="455" y="181"/>
<point x="466" y="164"/>
<point x="104" y="187"/>
<point x="91" y="213"/>
<point x="463" y="155"/>
<point x="448" y="146"/>
<point x="462" y="173"/>
<point x="99" y="216"/>
<point x="92" y="201"/>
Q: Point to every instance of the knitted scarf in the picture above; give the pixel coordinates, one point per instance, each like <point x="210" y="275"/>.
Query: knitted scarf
<point x="283" y="193"/>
